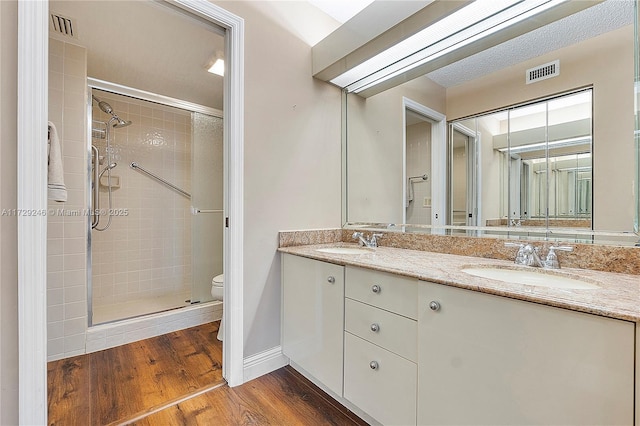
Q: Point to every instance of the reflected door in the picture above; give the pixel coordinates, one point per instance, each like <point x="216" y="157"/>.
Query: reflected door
<point x="463" y="176"/>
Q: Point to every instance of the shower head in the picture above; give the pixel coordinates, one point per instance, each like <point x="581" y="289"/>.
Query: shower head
<point x="109" y="167"/>
<point x="120" y="122"/>
<point x="105" y="107"/>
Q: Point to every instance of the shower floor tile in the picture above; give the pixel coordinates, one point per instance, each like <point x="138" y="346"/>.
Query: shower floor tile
<point x="138" y="307"/>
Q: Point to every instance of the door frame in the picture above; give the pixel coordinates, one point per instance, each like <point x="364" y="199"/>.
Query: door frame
<point x="33" y="50"/>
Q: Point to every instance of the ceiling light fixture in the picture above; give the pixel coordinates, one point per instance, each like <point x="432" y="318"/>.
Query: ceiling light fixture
<point x="217" y="67"/>
<point x="552" y="144"/>
<point x="467" y="25"/>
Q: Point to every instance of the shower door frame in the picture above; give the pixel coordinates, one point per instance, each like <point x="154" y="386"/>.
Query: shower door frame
<point x="32" y="91"/>
<point x="118" y="89"/>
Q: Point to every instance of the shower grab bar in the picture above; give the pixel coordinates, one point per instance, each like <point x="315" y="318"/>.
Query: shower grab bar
<point x="136" y="166"/>
<point x="95" y="207"/>
<point x="195" y="211"/>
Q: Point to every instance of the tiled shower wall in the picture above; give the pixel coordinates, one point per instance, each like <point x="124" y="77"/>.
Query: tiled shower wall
<point x="419" y="163"/>
<point x="66" y="222"/>
<point x="146" y="251"/>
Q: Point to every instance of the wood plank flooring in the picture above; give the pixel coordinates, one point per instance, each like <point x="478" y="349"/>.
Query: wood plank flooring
<point x="282" y="397"/>
<point x="167" y="380"/>
<point x="117" y="383"/>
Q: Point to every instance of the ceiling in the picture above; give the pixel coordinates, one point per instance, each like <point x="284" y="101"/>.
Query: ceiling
<point x="591" y="22"/>
<point x="147" y="46"/>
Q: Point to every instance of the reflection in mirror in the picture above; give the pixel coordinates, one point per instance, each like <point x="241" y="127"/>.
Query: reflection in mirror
<point x="463" y="174"/>
<point x="418" y="168"/>
<point x="542" y="155"/>
<point x="561" y="186"/>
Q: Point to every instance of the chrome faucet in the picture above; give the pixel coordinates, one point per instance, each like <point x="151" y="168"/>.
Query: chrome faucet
<point x="371" y="242"/>
<point x="528" y="256"/>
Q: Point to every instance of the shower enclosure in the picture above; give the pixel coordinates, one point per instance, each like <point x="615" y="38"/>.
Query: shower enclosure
<point x="155" y="202"/>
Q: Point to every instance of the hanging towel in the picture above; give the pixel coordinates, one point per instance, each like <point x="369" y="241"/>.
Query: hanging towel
<point x="55" y="179"/>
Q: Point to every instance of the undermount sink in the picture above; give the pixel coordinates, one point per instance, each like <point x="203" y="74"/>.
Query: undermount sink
<point x="345" y="250"/>
<point x="540" y="278"/>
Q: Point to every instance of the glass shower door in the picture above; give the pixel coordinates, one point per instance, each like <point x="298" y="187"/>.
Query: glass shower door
<point x="207" y="191"/>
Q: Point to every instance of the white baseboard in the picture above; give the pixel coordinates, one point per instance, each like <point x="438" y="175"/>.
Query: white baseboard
<point x="264" y="362"/>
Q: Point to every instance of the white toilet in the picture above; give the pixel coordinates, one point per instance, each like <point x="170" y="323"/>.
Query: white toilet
<point x="217" y="292"/>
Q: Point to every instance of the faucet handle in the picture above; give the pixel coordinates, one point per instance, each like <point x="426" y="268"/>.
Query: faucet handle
<point x="521" y="257"/>
<point x="357" y="235"/>
<point x="551" y="262"/>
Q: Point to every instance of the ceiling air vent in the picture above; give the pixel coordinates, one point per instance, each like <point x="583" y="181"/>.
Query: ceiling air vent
<point x="63" y="25"/>
<point x="544" y="71"/>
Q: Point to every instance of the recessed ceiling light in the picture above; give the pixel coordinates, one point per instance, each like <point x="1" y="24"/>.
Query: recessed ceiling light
<point x="217" y="67"/>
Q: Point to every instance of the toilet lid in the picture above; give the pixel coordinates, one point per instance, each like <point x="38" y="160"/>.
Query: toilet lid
<point x="218" y="279"/>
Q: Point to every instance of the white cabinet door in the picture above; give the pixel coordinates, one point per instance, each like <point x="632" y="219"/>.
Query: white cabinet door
<point x="486" y="359"/>
<point x="313" y="317"/>
<point x="379" y="382"/>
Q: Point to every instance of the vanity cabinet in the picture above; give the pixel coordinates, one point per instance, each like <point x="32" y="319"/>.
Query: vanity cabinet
<point x="487" y="359"/>
<point x="380" y="354"/>
<point x="402" y="351"/>
<point x="313" y="318"/>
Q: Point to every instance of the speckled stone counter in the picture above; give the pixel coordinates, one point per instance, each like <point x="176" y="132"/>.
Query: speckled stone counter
<point x="617" y="295"/>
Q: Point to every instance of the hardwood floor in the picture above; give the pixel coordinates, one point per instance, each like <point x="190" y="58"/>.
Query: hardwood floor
<point x="282" y="397"/>
<point x="168" y="380"/>
<point x="118" y="383"/>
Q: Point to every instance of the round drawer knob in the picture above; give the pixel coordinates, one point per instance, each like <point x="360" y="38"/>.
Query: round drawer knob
<point x="331" y="280"/>
<point x="434" y="306"/>
<point x="375" y="327"/>
<point x="373" y="365"/>
<point x="375" y="288"/>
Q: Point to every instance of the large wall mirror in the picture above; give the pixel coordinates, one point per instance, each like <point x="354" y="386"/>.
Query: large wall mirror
<point x="475" y="145"/>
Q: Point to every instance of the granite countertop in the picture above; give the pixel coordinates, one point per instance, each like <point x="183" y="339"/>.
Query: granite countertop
<point x="617" y="295"/>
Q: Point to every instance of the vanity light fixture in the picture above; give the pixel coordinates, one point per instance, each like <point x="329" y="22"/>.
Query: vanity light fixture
<point x="217" y="67"/>
<point x="471" y="23"/>
<point x="552" y="144"/>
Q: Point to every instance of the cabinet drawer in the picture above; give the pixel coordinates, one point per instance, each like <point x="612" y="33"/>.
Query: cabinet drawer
<point x="388" y="392"/>
<point x="393" y="332"/>
<point x="387" y="291"/>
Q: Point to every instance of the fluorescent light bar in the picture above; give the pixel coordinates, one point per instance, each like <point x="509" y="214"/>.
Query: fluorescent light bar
<point x="473" y="22"/>
<point x="552" y="144"/>
<point x="217" y="67"/>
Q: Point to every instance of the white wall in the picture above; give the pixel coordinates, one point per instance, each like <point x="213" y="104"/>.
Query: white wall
<point x="374" y="157"/>
<point x="292" y="156"/>
<point x="606" y="62"/>
<point x="8" y="224"/>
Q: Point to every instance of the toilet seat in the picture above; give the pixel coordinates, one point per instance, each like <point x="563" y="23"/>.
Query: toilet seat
<point x="218" y="280"/>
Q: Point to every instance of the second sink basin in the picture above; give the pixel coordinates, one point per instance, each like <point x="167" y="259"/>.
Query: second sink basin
<point x="345" y="250"/>
<point x="541" y="278"/>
